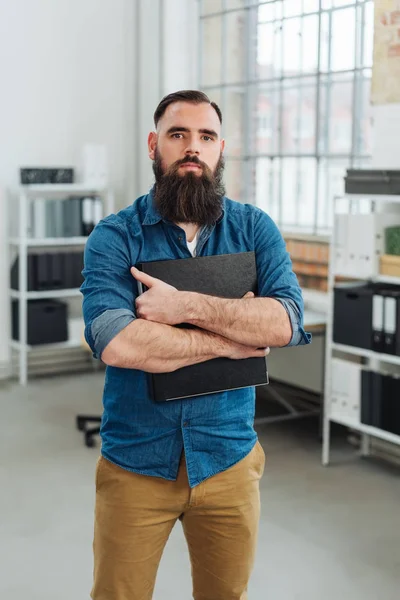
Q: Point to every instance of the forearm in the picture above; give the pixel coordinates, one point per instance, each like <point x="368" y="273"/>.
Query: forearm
<point x="259" y="322"/>
<point x="159" y="348"/>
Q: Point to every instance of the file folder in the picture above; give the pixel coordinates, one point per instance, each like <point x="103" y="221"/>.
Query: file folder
<point x="390" y="323"/>
<point x="377" y="322"/>
<point x="229" y="276"/>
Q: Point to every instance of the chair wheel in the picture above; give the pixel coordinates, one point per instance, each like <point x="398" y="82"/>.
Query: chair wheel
<point x="89" y="441"/>
<point x="80" y="423"/>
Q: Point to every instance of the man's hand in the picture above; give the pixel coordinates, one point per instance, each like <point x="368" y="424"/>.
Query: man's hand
<point x="161" y="303"/>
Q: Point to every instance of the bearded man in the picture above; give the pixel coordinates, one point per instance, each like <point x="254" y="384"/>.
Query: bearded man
<point x="197" y="459"/>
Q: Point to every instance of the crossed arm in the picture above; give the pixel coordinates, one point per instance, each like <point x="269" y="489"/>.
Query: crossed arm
<point x="231" y="328"/>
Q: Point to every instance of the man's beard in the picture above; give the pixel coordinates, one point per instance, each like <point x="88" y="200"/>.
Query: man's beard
<point x="189" y="198"/>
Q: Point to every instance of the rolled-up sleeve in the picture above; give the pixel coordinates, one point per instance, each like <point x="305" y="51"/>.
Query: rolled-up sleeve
<point x="276" y="278"/>
<point x="108" y="290"/>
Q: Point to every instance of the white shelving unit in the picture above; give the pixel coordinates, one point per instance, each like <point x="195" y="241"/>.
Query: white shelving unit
<point x="376" y="360"/>
<point x="22" y="242"/>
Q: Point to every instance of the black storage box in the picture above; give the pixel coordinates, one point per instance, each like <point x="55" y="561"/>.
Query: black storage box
<point x="47" y="321"/>
<point x="352" y="315"/>
<point x="34" y="175"/>
<point x="372" y="182"/>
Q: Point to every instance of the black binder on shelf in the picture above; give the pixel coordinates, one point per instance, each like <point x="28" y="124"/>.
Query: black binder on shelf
<point x="372" y="394"/>
<point x="378" y="302"/>
<point x="391" y="342"/>
<point x="57" y="271"/>
<point x="227" y="276"/>
<point x="31" y="281"/>
<point x="43" y="278"/>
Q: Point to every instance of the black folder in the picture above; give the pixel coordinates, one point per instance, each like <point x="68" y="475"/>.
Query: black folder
<point x="391" y="344"/>
<point x="226" y="276"/>
<point x="378" y="340"/>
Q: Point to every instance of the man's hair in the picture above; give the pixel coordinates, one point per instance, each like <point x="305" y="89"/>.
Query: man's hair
<point x="193" y="96"/>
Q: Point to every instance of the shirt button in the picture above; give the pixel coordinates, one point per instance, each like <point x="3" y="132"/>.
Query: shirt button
<point x="186" y="424"/>
<point x="180" y="238"/>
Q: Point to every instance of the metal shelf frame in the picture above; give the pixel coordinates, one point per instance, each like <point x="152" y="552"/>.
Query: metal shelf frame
<point x="22" y="242"/>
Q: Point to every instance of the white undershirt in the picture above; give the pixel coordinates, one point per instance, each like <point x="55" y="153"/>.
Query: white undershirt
<point x="192" y="245"/>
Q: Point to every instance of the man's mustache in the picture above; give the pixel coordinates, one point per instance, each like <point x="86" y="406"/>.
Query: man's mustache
<point x="190" y="159"/>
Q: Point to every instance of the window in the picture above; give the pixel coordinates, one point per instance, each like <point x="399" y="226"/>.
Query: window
<point x="292" y="78"/>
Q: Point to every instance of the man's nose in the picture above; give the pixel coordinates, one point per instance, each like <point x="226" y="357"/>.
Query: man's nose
<point x="193" y="147"/>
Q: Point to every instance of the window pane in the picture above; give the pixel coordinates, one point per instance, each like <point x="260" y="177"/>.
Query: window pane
<point x="269" y="50"/>
<point x="340" y="116"/>
<point x="235" y="47"/>
<point x="368" y="32"/>
<point x="292" y="8"/>
<point x="365" y="118"/>
<point x="233" y="179"/>
<point x="299" y="118"/>
<point x="266" y="120"/>
<point x="210" y="6"/>
<point x="289" y="190"/>
<point x="307" y="174"/>
<point x="310" y="6"/>
<point x="325" y="40"/>
<point x="230" y="4"/>
<point x="310" y="44"/>
<point x="233" y="121"/>
<point x="343" y="39"/>
<point x="212" y="51"/>
<point x="267" y="12"/>
<point x="267" y="186"/>
<point x="291" y="46"/>
<point x="331" y="184"/>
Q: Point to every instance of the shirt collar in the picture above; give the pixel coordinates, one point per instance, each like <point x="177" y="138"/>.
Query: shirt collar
<point x="152" y="215"/>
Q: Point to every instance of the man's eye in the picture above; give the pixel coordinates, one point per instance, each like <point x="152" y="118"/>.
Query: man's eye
<point x="207" y="138"/>
<point x="177" y="136"/>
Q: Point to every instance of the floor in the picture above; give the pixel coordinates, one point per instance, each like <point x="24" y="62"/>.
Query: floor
<point x="326" y="533"/>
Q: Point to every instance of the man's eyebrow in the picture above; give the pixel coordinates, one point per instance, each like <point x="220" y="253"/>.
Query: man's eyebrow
<point x="177" y="129"/>
<point x="210" y="132"/>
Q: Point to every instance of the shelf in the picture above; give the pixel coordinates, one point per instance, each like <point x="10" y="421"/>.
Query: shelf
<point x="387" y="279"/>
<point x="41" y="242"/>
<point x="374" y="431"/>
<point x="61" y="190"/>
<point x="389" y="358"/>
<point x="383" y="197"/>
<point x="15" y="345"/>
<point x="47" y="294"/>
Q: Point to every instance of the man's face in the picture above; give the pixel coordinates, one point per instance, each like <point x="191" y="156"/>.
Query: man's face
<point x="188" y="164"/>
<point x="187" y="130"/>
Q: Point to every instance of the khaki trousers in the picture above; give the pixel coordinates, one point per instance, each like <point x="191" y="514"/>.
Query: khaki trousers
<point x="135" y="515"/>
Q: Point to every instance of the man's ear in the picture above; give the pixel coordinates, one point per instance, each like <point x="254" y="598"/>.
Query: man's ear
<point x="152" y="144"/>
<point x="222" y="145"/>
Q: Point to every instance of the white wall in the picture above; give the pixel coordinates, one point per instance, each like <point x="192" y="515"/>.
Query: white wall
<point x="65" y="67"/>
<point x="76" y="71"/>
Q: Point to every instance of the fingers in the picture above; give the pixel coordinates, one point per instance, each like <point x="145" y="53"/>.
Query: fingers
<point x="147" y="280"/>
<point x="261" y="352"/>
<point x="249" y="295"/>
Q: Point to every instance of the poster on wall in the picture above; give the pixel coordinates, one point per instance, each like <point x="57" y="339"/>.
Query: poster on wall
<point x="386" y="67"/>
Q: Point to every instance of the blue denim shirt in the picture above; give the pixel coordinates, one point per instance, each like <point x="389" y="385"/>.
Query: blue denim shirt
<point x="215" y="431"/>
